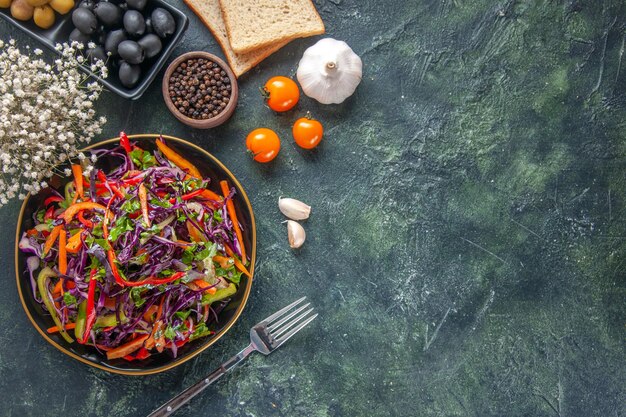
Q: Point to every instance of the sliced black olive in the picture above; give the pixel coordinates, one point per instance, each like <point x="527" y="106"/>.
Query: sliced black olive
<point x="113" y="40"/>
<point x="78" y="36"/>
<point x="162" y="22"/>
<point x="108" y="13"/>
<point x="151" y="45"/>
<point x="85" y="20"/>
<point x="131" y="52"/>
<point x="137" y="4"/>
<point x="129" y="74"/>
<point x="134" y="23"/>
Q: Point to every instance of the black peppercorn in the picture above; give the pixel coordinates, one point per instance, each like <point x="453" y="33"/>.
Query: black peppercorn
<point x="199" y="88"/>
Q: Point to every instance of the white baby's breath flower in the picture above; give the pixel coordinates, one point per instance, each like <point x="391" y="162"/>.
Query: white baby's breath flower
<point x="45" y="112"/>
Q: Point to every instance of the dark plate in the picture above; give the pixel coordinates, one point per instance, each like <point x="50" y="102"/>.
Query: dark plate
<point x="60" y="33"/>
<point x="211" y="168"/>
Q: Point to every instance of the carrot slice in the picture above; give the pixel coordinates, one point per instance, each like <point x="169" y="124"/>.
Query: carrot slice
<point x="201" y="284"/>
<point x="210" y="195"/>
<point x="238" y="263"/>
<point x="52" y="237"/>
<point x="223" y="261"/>
<point x="77" y="170"/>
<point x="74" y="243"/>
<point x="230" y="206"/>
<point x="54" y="329"/>
<point x="178" y="160"/>
<point x="150" y="312"/>
<point x="160" y="310"/>
<point x="62" y="252"/>
<point x="127" y="348"/>
<point x="194" y="233"/>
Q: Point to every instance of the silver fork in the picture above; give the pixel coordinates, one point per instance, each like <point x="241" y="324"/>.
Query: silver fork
<point x="265" y="337"/>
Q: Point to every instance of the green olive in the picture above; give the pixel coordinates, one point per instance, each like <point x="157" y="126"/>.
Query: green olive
<point x="21" y="10"/>
<point x="5" y="4"/>
<point x="44" y="16"/>
<point x="62" y="6"/>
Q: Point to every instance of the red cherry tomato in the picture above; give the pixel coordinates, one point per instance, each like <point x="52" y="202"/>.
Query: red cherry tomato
<point x="307" y="132"/>
<point x="264" y="144"/>
<point x="281" y="93"/>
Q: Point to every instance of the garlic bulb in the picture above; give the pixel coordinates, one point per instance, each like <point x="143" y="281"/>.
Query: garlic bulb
<point x="295" y="234"/>
<point x="329" y="71"/>
<point x="294" y="209"/>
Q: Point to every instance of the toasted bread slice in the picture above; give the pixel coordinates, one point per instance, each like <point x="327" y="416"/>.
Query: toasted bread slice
<point x="253" y="24"/>
<point x="209" y="12"/>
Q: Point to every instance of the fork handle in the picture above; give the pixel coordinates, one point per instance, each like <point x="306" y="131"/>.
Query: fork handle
<point x="185" y="396"/>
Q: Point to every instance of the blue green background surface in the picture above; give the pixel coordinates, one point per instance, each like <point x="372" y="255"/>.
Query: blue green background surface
<point x="466" y="249"/>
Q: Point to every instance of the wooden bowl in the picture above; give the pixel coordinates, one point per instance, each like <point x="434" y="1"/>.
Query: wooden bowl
<point x="201" y="123"/>
<point x="210" y="167"/>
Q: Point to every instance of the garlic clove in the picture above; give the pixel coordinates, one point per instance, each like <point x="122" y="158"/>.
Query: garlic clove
<point x="329" y="71"/>
<point x="295" y="234"/>
<point x="294" y="209"/>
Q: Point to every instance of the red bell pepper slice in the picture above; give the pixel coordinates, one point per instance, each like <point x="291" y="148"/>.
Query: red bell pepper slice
<point x="188" y="196"/>
<point x="125" y="142"/>
<point x="103" y="179"/>
<point x="91" y="308"/>
<point x="49" y="213"/>
<point x="52" y="199"/>
<point x="87" y="223"/>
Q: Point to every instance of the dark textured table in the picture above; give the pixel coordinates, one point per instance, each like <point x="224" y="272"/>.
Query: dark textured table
<point x="467" y="245"/>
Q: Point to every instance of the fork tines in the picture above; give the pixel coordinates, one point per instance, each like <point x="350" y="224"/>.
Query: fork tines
<point x="283" y="324"/>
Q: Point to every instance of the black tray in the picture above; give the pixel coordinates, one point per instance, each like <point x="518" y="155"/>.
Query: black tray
<point x="60" y="32"/>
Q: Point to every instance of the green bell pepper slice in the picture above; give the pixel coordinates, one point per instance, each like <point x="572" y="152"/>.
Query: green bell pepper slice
<point x="42" y="284"/>
<point x="219" y="294"/>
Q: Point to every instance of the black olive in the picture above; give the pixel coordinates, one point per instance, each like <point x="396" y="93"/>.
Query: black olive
<point x="87" y="4"/>
<point x="96" y="53"/>
<point x="78" y="36"/>
<point x="124" y="6"/>
<point x="129" y="74"/>
<point x="131" y="52"/>
<point x="84" y="20"/>
<point x="162" y="22"/>
<point x="108" y="13"/>
<point x="151" y="45"/>
<point x="134" y="23"/>
<point x="137" y="4"/>
<point x="101" y="38"/>
<point x="114" y="38"/>
<point x="149" y="25"/>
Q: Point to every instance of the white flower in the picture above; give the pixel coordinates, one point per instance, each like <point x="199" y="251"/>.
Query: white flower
<point x="45" y="111"/>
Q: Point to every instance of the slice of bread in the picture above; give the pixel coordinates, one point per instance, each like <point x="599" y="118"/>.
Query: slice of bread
<point x="209" y="12"/>
<point x="253" y="24"/>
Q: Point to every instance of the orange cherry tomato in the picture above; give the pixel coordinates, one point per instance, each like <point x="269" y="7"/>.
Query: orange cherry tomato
<point x="307" y="132"/>
<point x="281" y="93"/>
<point x="263" y="144"/>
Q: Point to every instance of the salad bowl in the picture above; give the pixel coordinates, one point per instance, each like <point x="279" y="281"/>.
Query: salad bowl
<point x="210" y="168"/>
